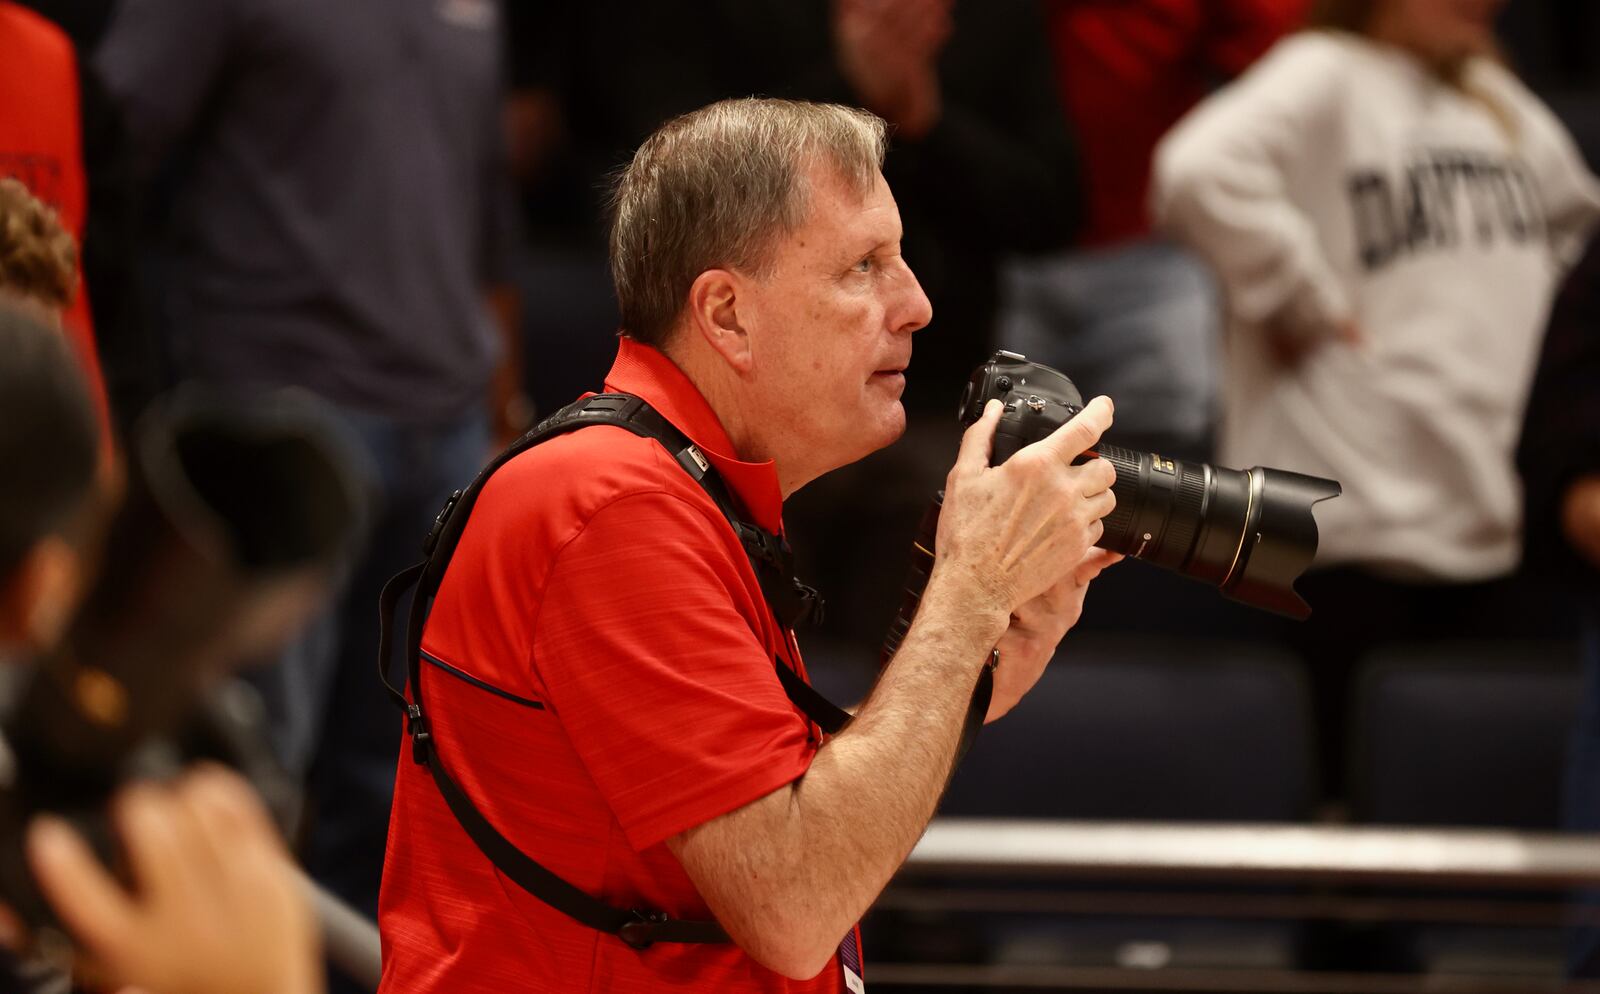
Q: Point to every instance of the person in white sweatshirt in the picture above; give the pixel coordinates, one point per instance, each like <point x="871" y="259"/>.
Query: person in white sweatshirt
<point x="1388" y="210"/>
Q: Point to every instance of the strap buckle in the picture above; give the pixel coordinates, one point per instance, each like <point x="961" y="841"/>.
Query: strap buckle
<point x="439" y="521"/>
<point x="813" y="609"/>
<point x="620" y="405"/>
<point x="762" y="545"/>
<point x="640" y="933"/>
<point x="421" y="738"/>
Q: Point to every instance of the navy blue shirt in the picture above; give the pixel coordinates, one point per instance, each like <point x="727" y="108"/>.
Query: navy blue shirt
<point x="339" y="199"/>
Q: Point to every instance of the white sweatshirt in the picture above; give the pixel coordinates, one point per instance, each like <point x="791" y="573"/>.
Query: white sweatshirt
<point x="1338" y="181"/>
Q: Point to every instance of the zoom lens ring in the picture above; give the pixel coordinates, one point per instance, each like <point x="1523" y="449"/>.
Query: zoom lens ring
<point x="1188" y="499"/>
<point x="1119" y="523"/>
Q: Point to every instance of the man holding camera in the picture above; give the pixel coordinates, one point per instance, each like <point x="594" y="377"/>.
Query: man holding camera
<point x="598" y="668"/>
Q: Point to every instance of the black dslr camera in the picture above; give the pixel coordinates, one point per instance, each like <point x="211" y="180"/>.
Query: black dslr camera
<point x="1250" y="533"/>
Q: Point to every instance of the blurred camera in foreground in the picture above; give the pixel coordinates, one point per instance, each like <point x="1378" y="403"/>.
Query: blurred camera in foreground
<point x="236" y="518"/>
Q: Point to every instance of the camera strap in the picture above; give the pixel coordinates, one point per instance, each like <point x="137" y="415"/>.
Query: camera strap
<point x="790" y="601"/>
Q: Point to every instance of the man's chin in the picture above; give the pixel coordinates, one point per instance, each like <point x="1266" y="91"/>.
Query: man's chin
<point x="890" y="429"/>
<point x="878" y="432"/>
<point x="890" y="426"/>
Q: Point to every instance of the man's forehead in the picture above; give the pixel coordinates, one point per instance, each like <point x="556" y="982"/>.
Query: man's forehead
<point x="846" y="206"/>
<point x="824" y="177"/>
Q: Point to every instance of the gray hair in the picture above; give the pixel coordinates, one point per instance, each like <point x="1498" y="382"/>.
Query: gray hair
<point x="718" y="187"/>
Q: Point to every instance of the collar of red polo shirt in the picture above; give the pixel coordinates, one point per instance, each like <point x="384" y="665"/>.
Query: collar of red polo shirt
<point x="689" y="430"/>
<point x="645" y="372"/>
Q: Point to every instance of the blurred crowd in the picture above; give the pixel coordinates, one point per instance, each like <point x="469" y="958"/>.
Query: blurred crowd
<point x="1351" y="238"/>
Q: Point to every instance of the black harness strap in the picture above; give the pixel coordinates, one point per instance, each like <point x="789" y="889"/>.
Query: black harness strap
<point x="791" y="602"/>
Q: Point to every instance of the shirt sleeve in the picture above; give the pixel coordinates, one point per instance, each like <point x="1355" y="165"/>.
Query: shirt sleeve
<point x="1220" y="184"/>
<point x="159" y="60"/>
<point x="647" y="645"/>
<point x="1568" y="192"/>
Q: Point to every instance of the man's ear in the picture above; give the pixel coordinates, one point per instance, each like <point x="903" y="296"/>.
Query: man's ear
<point x="37" y="599"/>
<point x="714" y="300"/>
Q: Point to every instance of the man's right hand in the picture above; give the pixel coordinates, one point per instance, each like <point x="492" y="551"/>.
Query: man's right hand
<point x="1009" y="533"/>
<point x="789" y="873"/>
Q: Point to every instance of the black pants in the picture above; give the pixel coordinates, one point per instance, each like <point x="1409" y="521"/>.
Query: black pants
<point x="1355" y="612"/>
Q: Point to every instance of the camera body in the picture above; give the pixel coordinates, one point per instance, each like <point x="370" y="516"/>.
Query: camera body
<point x="1037" y="400"/>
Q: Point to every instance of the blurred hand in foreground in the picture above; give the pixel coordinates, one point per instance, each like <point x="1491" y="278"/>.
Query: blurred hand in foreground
<point x="215" y="905"/>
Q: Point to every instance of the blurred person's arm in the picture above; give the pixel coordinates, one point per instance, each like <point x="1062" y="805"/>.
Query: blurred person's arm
<point x="535" y="132"/>
<point x="541" y="42"/>
<point x="160" y="60"/>
<point x="1567" y="191"/>
<point x="214" y="904"/>
<point x="1580" y="517"/>
<point x="1559" y="454"/>
<point x="510" y="411"/>
<point x="1002" y="168"/>
<point x="888" y="53"/>
<point x="1219" y="185"/>
<point x="996" y="155"/>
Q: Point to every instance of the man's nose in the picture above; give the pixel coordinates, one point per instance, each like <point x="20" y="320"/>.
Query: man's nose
<point x="915" y="309"/>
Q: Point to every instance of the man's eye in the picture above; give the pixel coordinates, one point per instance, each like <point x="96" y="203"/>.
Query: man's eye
<point x="864" y="266"/>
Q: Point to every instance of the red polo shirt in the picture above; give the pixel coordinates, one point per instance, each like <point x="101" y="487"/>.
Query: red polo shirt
<point x="596" y="578"/>
<point x="41" y="144"/>
<point x="1129" y="70"/>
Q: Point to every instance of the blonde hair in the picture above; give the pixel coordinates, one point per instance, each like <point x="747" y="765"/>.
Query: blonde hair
<point x="1342" y="15"/>
<point x="38" y="257"/>
<point x="718" y="187"/>
<point x="1356" y="16"/>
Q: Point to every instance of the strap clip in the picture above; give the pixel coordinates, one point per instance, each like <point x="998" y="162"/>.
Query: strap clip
<point x="814" y="610"/>
<point x="439" y="521"/>
<point x="421" y="738"/>
<point x="640" y="933"/>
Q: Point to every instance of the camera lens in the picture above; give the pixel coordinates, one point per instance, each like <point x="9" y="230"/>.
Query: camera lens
<point x="1248" y="532"/>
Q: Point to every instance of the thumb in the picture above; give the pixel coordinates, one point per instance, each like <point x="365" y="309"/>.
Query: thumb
<point x="1092" y="563"/>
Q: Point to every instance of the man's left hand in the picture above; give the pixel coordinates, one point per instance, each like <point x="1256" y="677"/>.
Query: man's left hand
<point x="1037" y="628"/>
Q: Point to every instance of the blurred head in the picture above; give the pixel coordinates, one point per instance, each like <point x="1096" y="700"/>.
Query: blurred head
<point x="758" y="244"/>
<point x="38" y="258"/>
<point x="1443" y="33"/>
<point x="49" y="448"/>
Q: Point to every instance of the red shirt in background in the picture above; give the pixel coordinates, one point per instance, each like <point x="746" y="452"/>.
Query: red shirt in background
<point x="597" y="579"/>
<point x="1129" y="69"/>
<point x="41" y="144"/>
